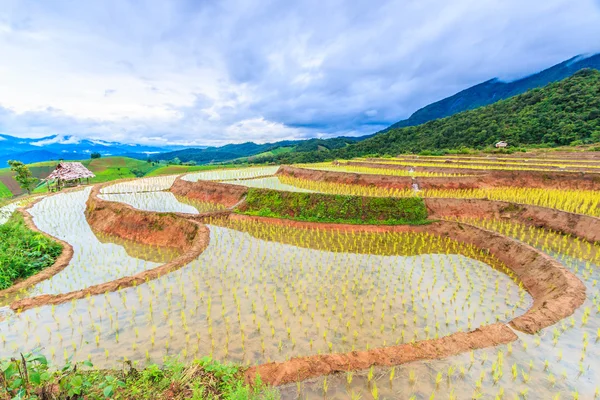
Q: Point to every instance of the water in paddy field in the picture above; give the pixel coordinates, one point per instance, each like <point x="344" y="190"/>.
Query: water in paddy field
<point x="231" y="174"/>
<point x="260" y="293"/>
<point x="272" y="182"/>
<point x="93" y="262"/>
<point x="7" y="210"/>
<point x="153" y="184"/>
<point x="562" y="360"/>
<point x="152" y="201"/>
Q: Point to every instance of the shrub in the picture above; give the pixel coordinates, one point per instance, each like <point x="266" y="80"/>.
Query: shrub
<point x="23" y="252"/>
<point x="318" y="207"/>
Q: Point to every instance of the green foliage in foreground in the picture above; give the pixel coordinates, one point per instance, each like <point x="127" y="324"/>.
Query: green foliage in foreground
<point x="23" y="252"/>
<point x="29" y="376"/>
<point x="318" y="207"/>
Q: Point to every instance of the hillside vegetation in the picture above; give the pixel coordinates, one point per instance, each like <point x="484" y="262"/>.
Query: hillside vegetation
<point x="562" y="113"/>
<point x="494" y="90"/>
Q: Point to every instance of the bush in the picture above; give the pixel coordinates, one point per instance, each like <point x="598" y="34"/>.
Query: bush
<point x="23" y="252"/>
<point x="318" y="207"/>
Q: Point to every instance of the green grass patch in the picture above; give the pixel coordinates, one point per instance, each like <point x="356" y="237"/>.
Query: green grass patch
<point x="27" y="376"/>
<point x="23" y="252"/>
<point x="4" y="191"/>
<point x="318" y="207"/>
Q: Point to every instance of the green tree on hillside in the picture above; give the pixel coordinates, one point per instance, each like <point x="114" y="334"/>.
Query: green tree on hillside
<point x="95" y="155"/>
<point x="22" y="175"/>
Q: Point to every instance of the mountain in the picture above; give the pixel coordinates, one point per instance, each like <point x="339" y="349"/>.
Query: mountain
<point x="561" y="113"/>
<point x="243" y="151"/>
<point x="494" y="90"/>
<point x="483" y="94"/>
<point x="65" y="147"/>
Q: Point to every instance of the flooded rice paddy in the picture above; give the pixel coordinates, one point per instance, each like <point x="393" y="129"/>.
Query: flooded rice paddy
<point x="561" y="362"/>
<point x="249" y="298"/>
<point x="231" y="174"/>
<point x="263" y="293"/>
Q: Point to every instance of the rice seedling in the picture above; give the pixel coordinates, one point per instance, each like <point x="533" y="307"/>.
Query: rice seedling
<point x="231" y="174"/>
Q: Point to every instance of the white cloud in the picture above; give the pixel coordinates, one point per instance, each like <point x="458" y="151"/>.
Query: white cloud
<point x="60" y="139"/>
<point x="192" y="72"/>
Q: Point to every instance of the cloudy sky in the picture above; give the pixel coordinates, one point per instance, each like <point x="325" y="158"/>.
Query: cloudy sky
<point x="219" y="71"/>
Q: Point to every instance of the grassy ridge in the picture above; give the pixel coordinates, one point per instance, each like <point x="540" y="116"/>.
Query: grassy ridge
<point x="318" y="207"/>
<point x="23" y="252"/>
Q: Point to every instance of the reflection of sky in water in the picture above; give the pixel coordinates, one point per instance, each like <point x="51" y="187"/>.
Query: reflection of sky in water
<point x="355" y="300"/>
<point x="271" y="182"/>
<point x="7" y="210"/>
<point x="152" y="201"/>
<point x="230" y="174"/>
<point x="93" y="262"/>
<point x="153" y="184"/>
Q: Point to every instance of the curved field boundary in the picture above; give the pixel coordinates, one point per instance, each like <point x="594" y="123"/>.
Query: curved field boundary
<point x="302" y="368"/>
<point x="558" y="179"/>
<point x="122" y="220"/>
<point x="556" y="293"/>
<point x="477" y="179"/>
<point x="125" y="217"/>
<point x="580" y="225"/>
<point x="210" y="191"/>
<point x="61" y="262"/>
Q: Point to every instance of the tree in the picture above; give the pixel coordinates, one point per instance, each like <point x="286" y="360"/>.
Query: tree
<point x="22" y="175"/>
<point x="95" y="155"/>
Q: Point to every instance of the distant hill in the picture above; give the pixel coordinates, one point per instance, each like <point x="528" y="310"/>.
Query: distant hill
<point x="561" y="113"/>
<point x="65" y="147"/>
<point x="494" y="90"/>
<point x="244" y="151"/>
<point x="486" y="93"/>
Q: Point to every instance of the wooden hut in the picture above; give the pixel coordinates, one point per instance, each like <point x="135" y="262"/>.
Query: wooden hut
<point x="68" y="174"/>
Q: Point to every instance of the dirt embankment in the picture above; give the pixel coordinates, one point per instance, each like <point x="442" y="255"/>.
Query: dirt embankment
<point x="491" y="179"/>
<point x="61" y="262"/>
<point x="208" y="191"/>
<point x="157" y="229"/>
<point x="556" y="294"/>
<point x="302" y="368"/>
<point x="386" y="181"/>
<point x="124" y="221"/>
<point x="583" y="226"/>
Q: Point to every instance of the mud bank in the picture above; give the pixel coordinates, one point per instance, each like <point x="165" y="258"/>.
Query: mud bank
<point x="583" y="226"/>
<point x="209" y="191"/>
<point x="61" y="262"/>
<point x="302" y="368"/>
<point x="497" y="178"/>
<point x="386" y="181"/>
<point x="156" y="229"/>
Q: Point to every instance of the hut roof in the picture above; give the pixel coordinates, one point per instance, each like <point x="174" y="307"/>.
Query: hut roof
<point x="69" y="171"/>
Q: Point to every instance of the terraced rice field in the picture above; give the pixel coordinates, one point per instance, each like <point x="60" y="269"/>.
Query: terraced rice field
<point x="399" y="305"/>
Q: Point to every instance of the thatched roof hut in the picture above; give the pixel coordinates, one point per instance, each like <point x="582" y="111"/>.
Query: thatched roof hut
<point x="69" y="173"/>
